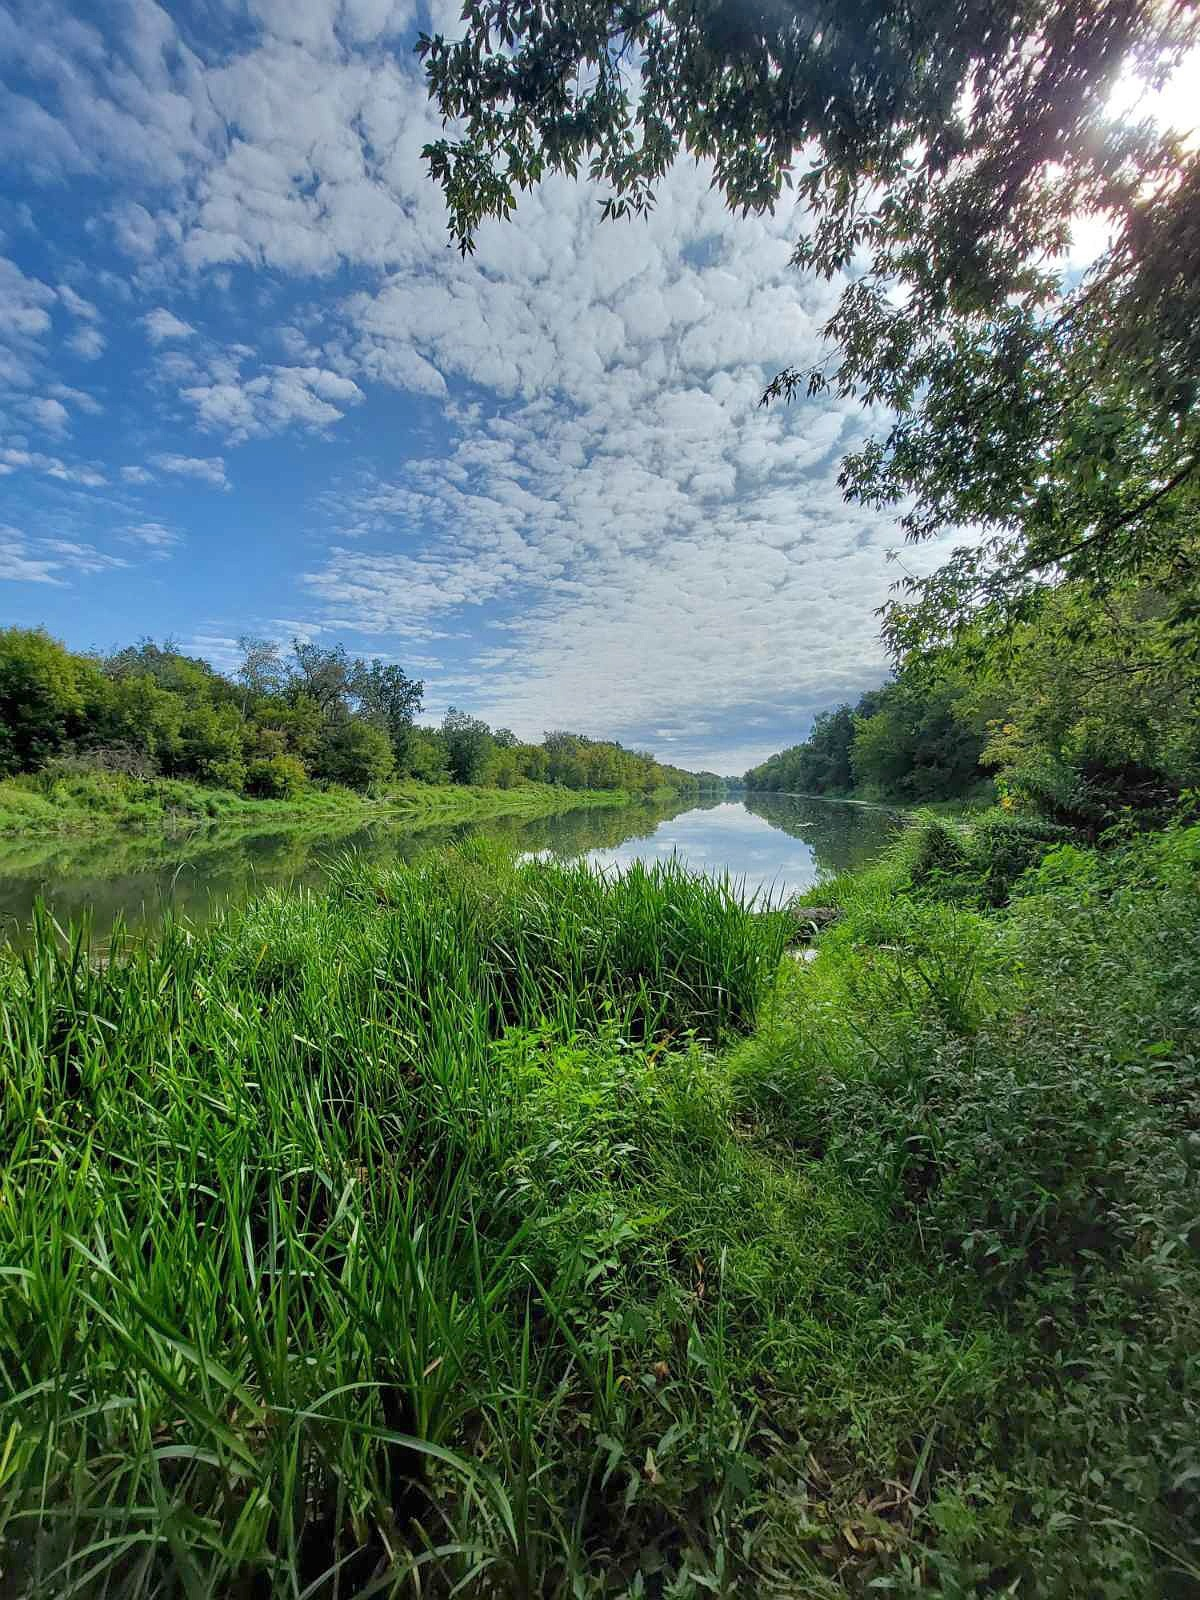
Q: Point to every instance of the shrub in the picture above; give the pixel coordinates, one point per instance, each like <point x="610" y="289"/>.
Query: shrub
<point x="119" y="757"/>
<point x="978" y="864"/>
<point x="932" y="850"/>
<point x="355" y="754"/>
<point x="278" y="777"/>
<point x="1002" y="847"/>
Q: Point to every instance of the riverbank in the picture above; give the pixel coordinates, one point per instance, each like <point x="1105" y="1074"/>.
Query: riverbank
<point x="527" y="1232"/>
<point x="965" y="806"/>
<point x="105" y="802"/>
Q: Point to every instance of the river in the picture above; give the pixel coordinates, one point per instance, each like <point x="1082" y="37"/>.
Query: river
<point x="772" y="844"/>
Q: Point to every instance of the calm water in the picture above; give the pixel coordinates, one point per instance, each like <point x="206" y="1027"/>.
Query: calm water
<point x="774" y="844"/>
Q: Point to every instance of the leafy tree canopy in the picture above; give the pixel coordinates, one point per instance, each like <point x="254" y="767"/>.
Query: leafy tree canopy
<point x="942" y="154"/>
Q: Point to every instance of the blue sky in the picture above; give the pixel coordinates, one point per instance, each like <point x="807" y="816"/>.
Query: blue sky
<point x="247" y="386"/>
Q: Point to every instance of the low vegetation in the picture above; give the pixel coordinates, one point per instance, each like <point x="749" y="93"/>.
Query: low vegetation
<point x="507" y="1229"/>
<point x="55" y="803"/>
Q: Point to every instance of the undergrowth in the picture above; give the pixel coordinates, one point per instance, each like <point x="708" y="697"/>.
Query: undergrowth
<point x="452" y="1231"/>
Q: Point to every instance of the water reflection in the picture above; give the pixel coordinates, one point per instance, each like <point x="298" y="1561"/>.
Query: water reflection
<point x="841" y="834"/>
<point x="773" y="843"/>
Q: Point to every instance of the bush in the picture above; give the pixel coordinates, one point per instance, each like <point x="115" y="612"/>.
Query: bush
<point x="279" y="777"/>
<point x="933" y="850"/>
<point x="977" y="864"/>
<point x="1001" y="848"/>
<point x="124" y="759"/>
<point x="356" y="754"/>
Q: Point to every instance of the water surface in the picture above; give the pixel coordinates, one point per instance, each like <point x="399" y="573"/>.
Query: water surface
<point x="772" y="843"/>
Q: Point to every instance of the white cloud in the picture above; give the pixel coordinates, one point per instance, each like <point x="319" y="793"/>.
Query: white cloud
<point x="161" y="325"/>
<point x="87" y="343"/>
<point x="76" y="304"/>
<point x="86" y="477"/>
<point x="136" y="232"/>
<point x="26" y="560"/>
<point x="208" y="469"/>
<point x="155" y="536"/>
<point x="83" y="558"/>
<point x="242" y="408"/>
<point x="24" y="303"/>
<point x="79" y="398"/>
<point x="50" y="415"/>
<point x="19" y="564"/>
<point x="631" y="542"/>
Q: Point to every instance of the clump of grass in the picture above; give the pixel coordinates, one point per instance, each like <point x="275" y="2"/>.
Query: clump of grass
<point x="268" y="1303"/>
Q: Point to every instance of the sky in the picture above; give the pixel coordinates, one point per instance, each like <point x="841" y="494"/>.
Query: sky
<point x="248" y="386"/>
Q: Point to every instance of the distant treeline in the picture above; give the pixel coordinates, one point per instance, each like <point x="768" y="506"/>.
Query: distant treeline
<point x="1085" y="709"/>
<point x="280" y="721"/>
<point x="905" y="741"/>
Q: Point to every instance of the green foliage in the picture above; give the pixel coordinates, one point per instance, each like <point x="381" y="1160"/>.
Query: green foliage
<point x="356" y="754"/>
<point x="1102" y="704"/>
<point x="399" y="1233"/>
<point x="151" y="711"/>
<point x="919" y="742"/>
<point x="210" y="746"/>
<point x="390" y="699"/>
<point x="425" y="753"/>
<point x="43" y="692"/>
<point x="278" y="777"/>
<point x="821" y="765"/>
<point x="916" y="739"/>
<point x="469" y="746"/>
<point x="977" y="864"/>
<point x="1015" y="1093"/>
<point x="1084" y="711"/>
<point x="945" y="153"/>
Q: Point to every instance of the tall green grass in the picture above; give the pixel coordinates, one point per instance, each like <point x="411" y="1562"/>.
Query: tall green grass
<point x="510" y="1230"/>
<point x="270" y="1319"/>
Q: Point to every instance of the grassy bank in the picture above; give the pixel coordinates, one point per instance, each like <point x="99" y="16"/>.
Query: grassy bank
<point x="508" y="1231"/>
<point x="33" y="807"/>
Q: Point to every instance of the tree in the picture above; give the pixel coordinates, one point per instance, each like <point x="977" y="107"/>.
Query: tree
<point x="1100" y="707"/>
<point x="323" y="675"/>
<point x="469" y="746"/>
<point x="943" y="153"/>
<point x="919" y="742"/>
<point x="43" y="693"/>
<point x="261" y="671"/>
<point x="356" y="754"/>
<point x="426" y="757"/>
<point x="138" y="712"/>
<point x="390" y="699"/>
<point x="210" y="746"/>
<point x="190" y="677"/>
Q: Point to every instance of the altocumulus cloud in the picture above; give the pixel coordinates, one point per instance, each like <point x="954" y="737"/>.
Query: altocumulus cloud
<point x="547" y="463"/>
